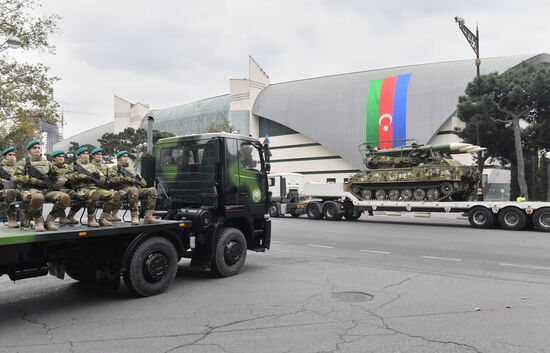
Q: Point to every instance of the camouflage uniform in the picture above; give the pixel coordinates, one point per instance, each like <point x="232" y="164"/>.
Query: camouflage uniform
<point x="8" y="196"/>
<point x="64" y="170"/>
<point x="134" y="189"/>
<point x="109" y="173"/>
<point x="85" y="189"/>
<point x="35" y="192"/>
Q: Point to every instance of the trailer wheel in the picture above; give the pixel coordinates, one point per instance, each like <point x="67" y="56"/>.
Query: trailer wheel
<point x="541" y="219"/>
<point x="312" y="211"/>
<point x="512" y="218"/>
<point x="293" y="213"/>
<point x="230" y="252"/>
<point x="331" y="212"/>
<point x="152" y="266"/>
<point x="273" y="211"/>
<point x="352" y="215"/>
<point x="481" y="217"/>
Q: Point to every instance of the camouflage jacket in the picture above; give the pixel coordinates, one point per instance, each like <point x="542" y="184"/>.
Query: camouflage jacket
<point x="23" y="180"/>
<point x="80" y="180"/>
<point x="127" y="177"/>
<point x="9" y="167"/>
<point x="107" y="171"/>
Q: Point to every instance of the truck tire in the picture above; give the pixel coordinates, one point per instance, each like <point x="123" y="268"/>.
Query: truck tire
<point x="84" y="274"/>
<point x="512" y="218"/>
<point x="481" y="217"/>
<point x="273" y="211"/>
<point x="541" y="219"/>
<point x="152" y="266"/>
<point x="331" y="211"/>
<point x="230" y="252"/>
<point x="293" y="213"/>
<point x="312" y="211"/>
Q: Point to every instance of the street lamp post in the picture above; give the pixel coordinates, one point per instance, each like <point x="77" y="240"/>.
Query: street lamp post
<point x="473" y="40"/>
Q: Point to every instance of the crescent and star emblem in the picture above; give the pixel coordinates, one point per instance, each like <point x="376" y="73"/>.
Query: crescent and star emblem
<point x="382" y="117"/>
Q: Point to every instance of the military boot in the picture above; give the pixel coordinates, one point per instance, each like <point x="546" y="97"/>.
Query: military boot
<point x="103" y="220"/>
<point x="12" y="220"/>
<point x="25" y="220"/>
<point x="69" y="219"/>
<point x="135" y="218"/>
<point x="149" y="218"/>
<point x="115" y="217"/>
<point x="49" y="222"/>
<point x="39" y="224"/>
<point x="92" y="222"/>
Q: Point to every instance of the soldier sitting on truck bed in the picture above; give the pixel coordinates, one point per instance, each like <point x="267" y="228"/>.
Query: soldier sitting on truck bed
<point x="63" y="169"/>
<point x="134" y="188"/>
<point x="87" y="182"/>
<point x="40" y="182"/>
<point x="109" y="173"/>
<point x="9" y="194"/>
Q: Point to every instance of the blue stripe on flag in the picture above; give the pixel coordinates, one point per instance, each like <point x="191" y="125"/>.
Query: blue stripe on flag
<point x="400" y="109"/>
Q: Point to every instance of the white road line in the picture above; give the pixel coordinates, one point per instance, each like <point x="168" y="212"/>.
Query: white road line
<point x="441" y="258"/>
<point x="376" y="251"/>
<point x="321" y="246"/>
<point x="279" y="242"/>
<point x="525" y="266"/>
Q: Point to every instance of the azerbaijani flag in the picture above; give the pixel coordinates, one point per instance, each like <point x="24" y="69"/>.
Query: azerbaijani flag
<point x="387" y="111"/>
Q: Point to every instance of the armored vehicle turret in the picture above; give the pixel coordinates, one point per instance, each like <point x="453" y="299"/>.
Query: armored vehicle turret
<point x="415" y="173"/>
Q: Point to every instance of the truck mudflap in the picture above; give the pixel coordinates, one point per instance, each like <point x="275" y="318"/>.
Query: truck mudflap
<point x="264" y="237"/>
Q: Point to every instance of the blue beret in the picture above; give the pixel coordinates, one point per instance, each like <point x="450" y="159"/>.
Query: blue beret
<point x="121" y="153"/>
<point x="81" y="150"/>
<point x="7" y="150"/>
<point x="57" y="153"/>
<point x="32" y="143"/>
<point x="96" y="150"/>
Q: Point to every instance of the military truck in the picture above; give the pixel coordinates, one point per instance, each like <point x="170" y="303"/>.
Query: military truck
<point x="214" y="204"/>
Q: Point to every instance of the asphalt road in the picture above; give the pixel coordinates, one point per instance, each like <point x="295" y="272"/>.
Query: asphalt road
<point x="380" y="284"/>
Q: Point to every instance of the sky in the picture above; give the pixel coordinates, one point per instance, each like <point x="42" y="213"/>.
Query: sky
<point x="166" y="53"/>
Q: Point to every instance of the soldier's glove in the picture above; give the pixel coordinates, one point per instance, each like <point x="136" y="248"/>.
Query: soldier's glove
<point x="20" y="179"/>
<point x="129" y="180"/>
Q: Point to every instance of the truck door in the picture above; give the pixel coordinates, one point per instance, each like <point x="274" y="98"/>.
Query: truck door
<point x="252" y="181"/>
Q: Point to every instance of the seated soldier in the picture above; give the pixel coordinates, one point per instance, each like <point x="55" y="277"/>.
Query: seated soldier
<point x="9" y="193"/>
<point x="58" y="160"/>
<point x="133" y="187"/>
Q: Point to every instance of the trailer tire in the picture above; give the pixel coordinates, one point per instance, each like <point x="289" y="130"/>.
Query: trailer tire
<point x="152" y="266"/>
<point x="331" y="212"/>
<point x="273" y="211"/>
<point x="512" y="218"/>
<point x="293" y="213"/>
<point x="312" y="211"/>
<point x="481" y="217"/>
<point x="230" y="252"/>
<point x="541" y="219"/>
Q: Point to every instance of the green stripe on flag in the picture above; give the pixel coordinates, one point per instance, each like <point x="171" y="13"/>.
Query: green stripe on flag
<point x="373" y="110"/>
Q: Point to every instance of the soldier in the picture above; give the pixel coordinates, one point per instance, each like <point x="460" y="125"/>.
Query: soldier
<point x="134" y="188"/>
<point x="97" y="160"/>
<point x="40" y="181"/>
<point x="58" y="160"/>
<point x="86" y="179"/>
<point x="8" y="194"/>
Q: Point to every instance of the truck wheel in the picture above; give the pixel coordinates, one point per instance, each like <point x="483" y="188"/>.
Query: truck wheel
<point x="331" y="212"/>
<point x="151" y="267"/>
<point x="481" y="217"/>
<point x="293" y="213"/>
<point x="230" y="253"/>
<point x="312" y="211"/>
<point x="352" y="215"/>
<point x="273" y="212"/>
<point x="84" y="274"/>
<point x="541" y="219"/>
<point x="512" y="218"/>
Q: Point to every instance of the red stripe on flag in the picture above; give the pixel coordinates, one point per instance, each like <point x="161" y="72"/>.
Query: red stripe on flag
<point x="385" y="116"/>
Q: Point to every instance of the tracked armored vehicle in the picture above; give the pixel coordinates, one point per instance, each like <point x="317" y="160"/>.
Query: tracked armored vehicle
<point x="415" y="173"/>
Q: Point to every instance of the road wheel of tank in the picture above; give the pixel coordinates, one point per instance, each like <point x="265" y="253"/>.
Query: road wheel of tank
<point x="446" y="189"/>
<point x="432" y="194"/>
<point x="331" y="211"/>
<point x="312" y="211"/>
<point x="273" y="211"/>
<point x="406" y="194"/>
<point x="419" y="194"/>
<point x="481" y="217"/>
<point x="512" y="218"/>
<point x="293" y="213"/>
<point x="393" y="194"/>
<point x="380" y="194"/>
<point x="230" y="252"/>
<point x="366" y="194"/>
<point x="541" y="219"/>
<point x="151" y="267"/>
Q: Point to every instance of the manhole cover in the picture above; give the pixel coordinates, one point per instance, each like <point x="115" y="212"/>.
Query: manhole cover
<point x="353" y="297"/>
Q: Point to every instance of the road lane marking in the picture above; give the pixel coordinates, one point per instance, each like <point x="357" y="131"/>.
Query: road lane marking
<point x="321" y="246"/>
<point x="441" y="258"/>
<point x="279" y="242"/>
<point x="525" y="266"/>
<point x="376" y="251"/>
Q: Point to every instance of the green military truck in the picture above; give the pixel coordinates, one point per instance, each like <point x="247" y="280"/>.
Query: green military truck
<point x="213" y="199"/>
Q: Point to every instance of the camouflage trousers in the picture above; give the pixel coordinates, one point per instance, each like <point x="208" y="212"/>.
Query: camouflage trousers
<point x="9" y="207"/>
<point x="86" y="195"/>
<point x="53" y="196"/>
<point x="132" y="195"/>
